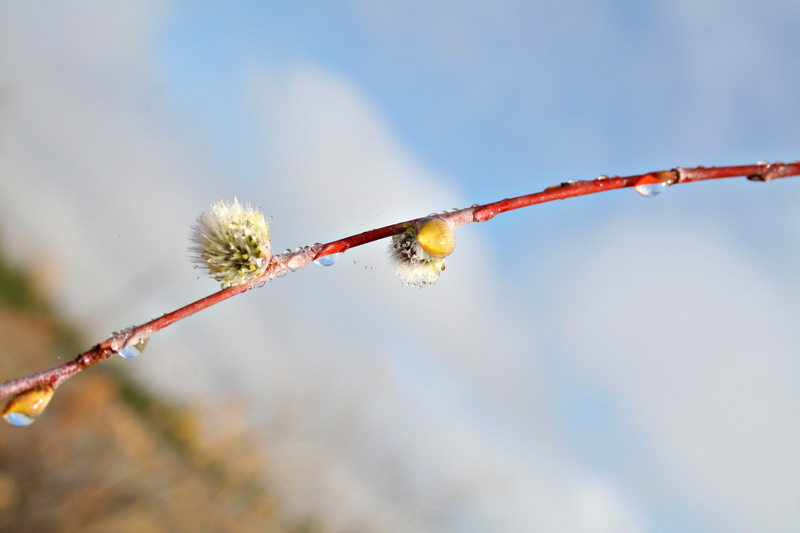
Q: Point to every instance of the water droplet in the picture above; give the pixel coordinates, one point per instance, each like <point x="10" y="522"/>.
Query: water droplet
<point x="327" y="260"/>
<point x="282" y="274"/>
<point x="134" y="349"/>
<point x="24" y="408"/>
<point x="601" y="177"/>
<point x="436" y="237"/>
<point x="650" y="185"/>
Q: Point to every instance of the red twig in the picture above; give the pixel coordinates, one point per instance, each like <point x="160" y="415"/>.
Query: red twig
<point x="282" y="263"/>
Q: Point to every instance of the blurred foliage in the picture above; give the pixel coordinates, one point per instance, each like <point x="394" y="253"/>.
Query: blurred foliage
<point x="108" y="455"/>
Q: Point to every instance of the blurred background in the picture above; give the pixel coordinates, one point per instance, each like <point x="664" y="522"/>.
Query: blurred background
<point x="612" y="363"/>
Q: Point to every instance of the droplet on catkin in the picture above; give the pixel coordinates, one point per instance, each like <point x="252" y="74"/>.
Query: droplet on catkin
<point x="436" y="237"/>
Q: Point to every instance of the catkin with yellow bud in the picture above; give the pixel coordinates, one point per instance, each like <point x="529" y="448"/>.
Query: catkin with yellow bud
<point x="436" y="237"/>
<point x="231" y="242"/>
<point x="419" y="252"/>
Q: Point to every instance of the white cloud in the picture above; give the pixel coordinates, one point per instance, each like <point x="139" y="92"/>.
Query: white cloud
<point x="696" y="345"/>
<point x="94" y="175"/>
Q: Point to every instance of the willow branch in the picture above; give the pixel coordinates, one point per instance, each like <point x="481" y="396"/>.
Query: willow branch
<point x="280" y="264"/>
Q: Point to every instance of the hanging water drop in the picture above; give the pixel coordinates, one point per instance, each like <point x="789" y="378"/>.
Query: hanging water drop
<point x="436" y="237"/>
<point x="650" y="185"/>
<point x="327" y="260"/>
<point x="24" y="408"/>
<point x="134" y="349"/>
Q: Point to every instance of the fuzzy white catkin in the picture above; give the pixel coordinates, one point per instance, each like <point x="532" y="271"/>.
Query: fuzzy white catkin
<point x="231" y="242"/>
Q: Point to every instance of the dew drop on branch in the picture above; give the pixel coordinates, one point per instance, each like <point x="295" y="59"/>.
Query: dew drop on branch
<point x="24" y="408"/>
<point x="327" y="260"/>
<point x="134" y="349"/>
<point x="650" y="185"/>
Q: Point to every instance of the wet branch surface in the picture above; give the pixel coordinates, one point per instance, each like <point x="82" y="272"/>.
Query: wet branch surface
<point x="282" y="263"/>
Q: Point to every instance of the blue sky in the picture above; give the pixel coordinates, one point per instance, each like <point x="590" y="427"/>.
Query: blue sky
<point x="610" y="363"/>
<point x="515" y="82"/>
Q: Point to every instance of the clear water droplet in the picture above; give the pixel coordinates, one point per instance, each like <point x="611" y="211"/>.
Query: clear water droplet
<point x="24" y="408"/>
<point x="134" y="349"/>
<point x="650" y="186"/>
<point x="327" y="260"/>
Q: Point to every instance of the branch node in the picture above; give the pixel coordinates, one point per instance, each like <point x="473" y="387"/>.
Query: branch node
<point x="770" y="172"/>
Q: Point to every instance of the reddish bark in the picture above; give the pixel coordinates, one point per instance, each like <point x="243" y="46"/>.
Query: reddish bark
<point x="476" y="213"/>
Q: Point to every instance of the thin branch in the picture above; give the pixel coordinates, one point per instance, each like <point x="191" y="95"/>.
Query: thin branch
<point x="283" y="263"/>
